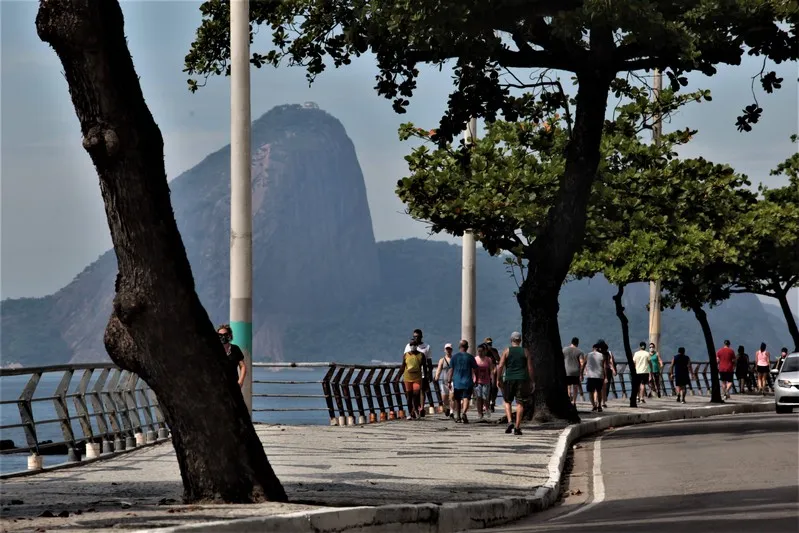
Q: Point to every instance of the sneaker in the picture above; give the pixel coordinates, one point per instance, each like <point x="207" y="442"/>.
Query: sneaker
<point x="517" y="431"/>
<point x="599" y="409"/>
<point x="465" y="420"/>
<point x="458" y="420"/>
<point x="678" y="399"/>
<point x="509" y="429"/>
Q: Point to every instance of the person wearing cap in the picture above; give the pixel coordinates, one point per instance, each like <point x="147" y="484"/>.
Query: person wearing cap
<point x="514" y="377"/>
<point x="494" y="354"/>
<point x="444" y="381"/>
<point x="424" y="349"/>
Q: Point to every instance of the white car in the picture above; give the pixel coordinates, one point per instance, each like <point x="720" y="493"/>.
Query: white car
<point x="786" y="386"/>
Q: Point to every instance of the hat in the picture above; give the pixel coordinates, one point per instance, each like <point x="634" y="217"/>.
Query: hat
<point x="488" y="340"/>
<point x="448" y="345"/>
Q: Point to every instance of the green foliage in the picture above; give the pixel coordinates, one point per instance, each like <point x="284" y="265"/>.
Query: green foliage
<point x="485" y="38"/>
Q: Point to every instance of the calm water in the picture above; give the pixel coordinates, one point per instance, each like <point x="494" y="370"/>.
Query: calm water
<point x="12" y="386"/>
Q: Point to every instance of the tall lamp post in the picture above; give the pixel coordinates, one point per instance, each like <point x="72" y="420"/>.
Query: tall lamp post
<point x="654" y="286"/>
<point x="241" y="188"/>
<point x="469" y="267"/>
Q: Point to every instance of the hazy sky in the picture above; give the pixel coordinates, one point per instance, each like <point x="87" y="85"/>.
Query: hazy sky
<point x="53" y="223"/>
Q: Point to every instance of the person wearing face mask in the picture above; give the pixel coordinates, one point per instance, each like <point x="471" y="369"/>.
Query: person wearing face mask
<point x="234" y="354"/>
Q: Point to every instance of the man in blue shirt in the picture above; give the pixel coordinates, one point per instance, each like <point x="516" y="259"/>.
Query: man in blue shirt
<point x="461" y="375"/>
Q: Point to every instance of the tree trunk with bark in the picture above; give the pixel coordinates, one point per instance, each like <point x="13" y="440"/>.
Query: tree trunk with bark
<point x="551" y="253"/>
<point x="715" y="386"/>
<point x="158" y="327"/>
<point x="782" y="297"/>
<point x="628" y="350"/>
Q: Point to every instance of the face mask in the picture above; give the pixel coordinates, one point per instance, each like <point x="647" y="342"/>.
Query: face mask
<point x="651" y="350"/>
<point x="224" y="338"/>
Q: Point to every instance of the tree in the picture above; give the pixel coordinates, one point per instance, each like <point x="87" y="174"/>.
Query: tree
<point x="486" y="39"/>
<point x="772" y="268"/>
<point x="158" y="328"/>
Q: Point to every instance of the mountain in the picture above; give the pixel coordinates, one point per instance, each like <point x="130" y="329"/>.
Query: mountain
<point x="324" y="290"/>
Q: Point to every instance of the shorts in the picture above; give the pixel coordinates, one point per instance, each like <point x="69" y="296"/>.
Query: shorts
<point x="726" y="376"/>
<point x="572" y="380"/>
<point x="594" y="384"/>
<point x="482" y="391"/>
<point x="462" y="394"/>
<point x="681" y="381"/>
<point x="413" y="386"/>
<point x="643" y="379"/>
<point x="742" y="374"/>
<point x="516" y="389"/>
<point x="762" y="369"/>
<point x="446" y="387"/>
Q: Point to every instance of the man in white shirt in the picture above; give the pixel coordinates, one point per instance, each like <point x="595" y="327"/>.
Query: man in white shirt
<point x="641" y="360"/>
<point x="593" y="369"/>
<point x="427" y="367"/>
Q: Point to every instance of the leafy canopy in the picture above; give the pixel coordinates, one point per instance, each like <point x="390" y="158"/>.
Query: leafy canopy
<point x="594" y="39"/>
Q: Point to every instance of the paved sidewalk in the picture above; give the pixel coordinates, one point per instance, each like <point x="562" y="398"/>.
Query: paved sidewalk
<point x="432" y="460"/>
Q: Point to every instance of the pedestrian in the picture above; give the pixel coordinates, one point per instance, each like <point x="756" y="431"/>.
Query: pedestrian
<point x="610" y="369"/>
<point x="234" y="354"/>
<point x="763" y="364"/>
<point x="482" y="381"/>
<point x="411" y="370"/>
<point x="515" y="377"/>
<point x="593" y="369"/>
<point x="725" y="358"/>
<point x="494" y="353"/>
<point x="655" y="367"/>
<point x="461" y="374"/>
<point x="427" y="364"/>
<point x="680" y="373"/>
<point x="781" y="360"/>
<point x="573" y="362"/>
<point x="641" y="361"/>
<point x="444" y="382"/>
<point x="742" y="370"/>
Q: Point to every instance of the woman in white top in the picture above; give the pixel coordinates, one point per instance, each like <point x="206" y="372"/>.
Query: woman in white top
<point x="442" y="376"/>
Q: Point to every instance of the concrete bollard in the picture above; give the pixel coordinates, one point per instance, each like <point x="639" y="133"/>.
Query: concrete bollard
<point x="119" y="444"/>
<point x="342" y="421"/>
<point x="73" y="455"/>
<point x="401" y="414"/>
<point x="92" y="450"/>
<point x="391" y="415"/>
<point x="163" y="433"/>
<point x="361" y="420"/>
<point x="333" y="421"/>
<point x="350" y="420"/>
<point x="139" y="438"/>
<point x="130" y="442"/>
<point x="108" y="446"/>
<point x="372" y="418"/>
<point x="35" y="462"/>
<point x="151" y="437"/>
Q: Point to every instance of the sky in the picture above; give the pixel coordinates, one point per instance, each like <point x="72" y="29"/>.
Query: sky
<point x="52" y="219"/>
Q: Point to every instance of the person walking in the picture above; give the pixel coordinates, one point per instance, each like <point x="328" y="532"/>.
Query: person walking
<point x="483" y="375"/>
<point x="641" y="361"/>
<point x="742" y="370"/>
<point x="573" y="361"/>
<point x="411" y="370"/>
<point x="444" y="383"/>
<point x="494" y="353"/>
<point x="593" y="369"/>
<point x="725" y="358"/>
<point x="515" y="377"/>
<point x="461" y="374"/>
<point x="655" y="366"/>
<point x="610" y="369"/>
<point x="763" y="365"/>
<point x="234" y="354"/>
<point x="680" y="373"/>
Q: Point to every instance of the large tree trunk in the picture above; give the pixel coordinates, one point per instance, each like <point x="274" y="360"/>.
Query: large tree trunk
<point x="782" y="297"/>
<point x="628" y="350"/>
<point x="551" y="253"/>
<point x="715" y="387"/>
<point x="158" y="327"/>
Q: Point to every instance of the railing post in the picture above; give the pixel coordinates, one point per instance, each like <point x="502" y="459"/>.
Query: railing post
<point x="392" y="413"/>
<point x="27" y="418"/>
<point x="367" y="389"/>
<point x="400" y="396"/>
<point x="60" y="405"/>
<point x="620" y="374"/>
<point x="345" y="392"/>
<point x="356" y="387"/>
<point x="342" y="420"/>
<point x="329" y="394"/>
<point x="378" y="392"/>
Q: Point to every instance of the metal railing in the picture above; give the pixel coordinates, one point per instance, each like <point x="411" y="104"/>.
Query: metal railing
<point x="81" y="410"/>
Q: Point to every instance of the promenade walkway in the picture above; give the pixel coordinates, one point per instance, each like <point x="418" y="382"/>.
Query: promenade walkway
<point x="432" y="460"/>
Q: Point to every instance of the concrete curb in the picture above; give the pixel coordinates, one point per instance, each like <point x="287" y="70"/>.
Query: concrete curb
<point x="452" y="517"/>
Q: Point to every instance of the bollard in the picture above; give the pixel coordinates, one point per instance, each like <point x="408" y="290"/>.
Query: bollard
<point x="342" y="421"/>
<point x="108" y="447"/>
<point x="350" y="420"/>
<point x="92" y="450"/>
<point x="163" y="433"/>
<point x="383" y="417"/>
<point x="119" y="444"/>
<point x="139" y="438"/>
<point x="130" y="442"/>
<point x="361" y="420"/>
<point x="391" y="415"/>
<point x="34" y="462"/>
<point x="150" y="437"/>
<point x="372" y="418"/>
<point x="73" y="455"/>
<point x="401" y="414"/>
<point x="333" y="422"/>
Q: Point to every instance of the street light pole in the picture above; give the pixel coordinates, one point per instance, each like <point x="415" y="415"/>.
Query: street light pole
<point x="469" y="267"/>
<point x="654" y="286"/>
<point x="241" y="188"/>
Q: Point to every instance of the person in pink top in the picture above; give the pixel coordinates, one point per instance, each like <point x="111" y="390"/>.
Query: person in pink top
<point x="725" y="358"/>
<point x="483" y="375"/>
<point x="763" y="364"/>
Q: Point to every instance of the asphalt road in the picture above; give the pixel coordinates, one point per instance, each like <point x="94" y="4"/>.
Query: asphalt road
<point x="729" y="473"/>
